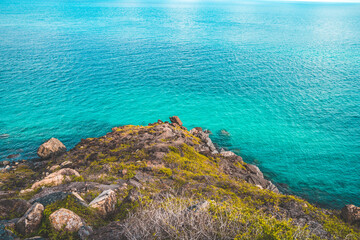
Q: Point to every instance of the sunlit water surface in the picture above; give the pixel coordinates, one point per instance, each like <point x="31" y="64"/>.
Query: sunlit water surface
<point x="281" y="78"/>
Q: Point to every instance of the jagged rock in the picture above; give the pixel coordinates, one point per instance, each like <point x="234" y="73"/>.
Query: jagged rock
<point x="50" y="148"/>
<point x="351" y="213"/>
<point x="105" y="202"/>
<point x="84" y="232"/>
<point x="56" y="178"/>
<point x="58" y="196"/>
<point x="176" y="120"/>
<point x="64" y="219"/>
<point x="10" y="208"/>
<point x="227" y="153"/>
<point x="31" y="220"/>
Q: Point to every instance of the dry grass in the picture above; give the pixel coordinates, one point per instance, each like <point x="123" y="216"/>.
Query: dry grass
<point x="172" y="219"/>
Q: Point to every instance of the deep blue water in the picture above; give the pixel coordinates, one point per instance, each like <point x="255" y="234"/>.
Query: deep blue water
<point x="282" y="78"/>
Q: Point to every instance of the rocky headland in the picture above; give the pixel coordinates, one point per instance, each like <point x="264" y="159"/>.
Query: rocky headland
<point x="159" y="181"/>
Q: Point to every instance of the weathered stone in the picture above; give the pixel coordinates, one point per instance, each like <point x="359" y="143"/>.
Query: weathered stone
<point x="58" y="196"/>
<point x="176" y="120"/>
<point x="54" y="168"/>
<point x="50" y="148"/>
<point x="84" y="232"/>
<point x="5" y="163"/>
<point x="31" y="220"/>
<point x="227" y="153"/>
<point x="64" y="219"/>
<point x="56" y="178"/>
<point x="10" y="208"/>
<point x="204" y="205"/>
<point x="105" y="202"/>
<point x="350" y="213"/>
<point x="65" y="164"/>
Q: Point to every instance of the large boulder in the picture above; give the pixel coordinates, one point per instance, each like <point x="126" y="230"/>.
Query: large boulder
<point x="31" y="220"/>
<point x="64" y="219"/>
<point x="56" y="178"/>
<point x="11" y="208"/>
<point x="351" y="214"/>
<point x="105" y="202"/>
<point x="176" y="120"/>
<point x="50" y="148"/>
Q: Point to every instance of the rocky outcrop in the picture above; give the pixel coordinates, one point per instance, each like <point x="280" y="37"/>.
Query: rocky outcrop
<point x="11" y="208"/>
<point x="50" y="148"/>
<point x="56" y="178"/>
<point x="105" y="202"/>
<point x="351" y="214"/>
<point x="31" y="220"/>
<point x="176" y="120"/>
<point x="64" y="219"/>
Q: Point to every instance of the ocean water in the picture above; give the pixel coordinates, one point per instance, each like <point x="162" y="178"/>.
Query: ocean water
<point x="281" y="78"/>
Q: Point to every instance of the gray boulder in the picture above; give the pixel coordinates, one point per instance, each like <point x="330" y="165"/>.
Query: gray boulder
<point x="31" y="220"/>
<point x="50" y="148"/>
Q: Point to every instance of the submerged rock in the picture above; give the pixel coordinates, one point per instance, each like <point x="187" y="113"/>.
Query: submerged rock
<point x="50" y="148"/>
<point x="31" y="220"/>
<point x="64" y="219"/>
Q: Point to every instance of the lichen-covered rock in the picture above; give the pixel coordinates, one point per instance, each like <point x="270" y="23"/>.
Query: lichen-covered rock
<point x="351" y="213"/>
<point x="10" y="208"/>
<point x="64" y="219"/>
<point x="31" y="220"/>
<point x="176" y="120"/>
<point x="50" y="148"/>
<point x="105" y="202"/>
<point x="56" y="178"/>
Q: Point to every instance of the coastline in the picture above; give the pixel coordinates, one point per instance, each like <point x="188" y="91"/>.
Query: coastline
<point x="165" y="157"/>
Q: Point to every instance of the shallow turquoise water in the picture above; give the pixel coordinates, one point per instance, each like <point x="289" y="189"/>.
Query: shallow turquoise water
<point x="282" y="78"/>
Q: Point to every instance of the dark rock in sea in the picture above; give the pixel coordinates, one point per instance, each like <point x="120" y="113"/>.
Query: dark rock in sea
<point x="50" y="148"/>
<point x="11" y="208"/>
<point x="176" y="120"/>
<point x="13" y="156"/>
<point x="351" y="214"/>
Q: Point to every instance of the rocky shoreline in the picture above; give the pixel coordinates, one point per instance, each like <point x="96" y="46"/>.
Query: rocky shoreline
<point x="104" y="186"/>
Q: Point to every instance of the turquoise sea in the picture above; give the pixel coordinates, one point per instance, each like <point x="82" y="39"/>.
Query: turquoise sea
<point x="282" y="78"/>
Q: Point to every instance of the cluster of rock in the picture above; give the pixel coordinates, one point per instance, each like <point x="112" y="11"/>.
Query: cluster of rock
<point x="57" y="182"/>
